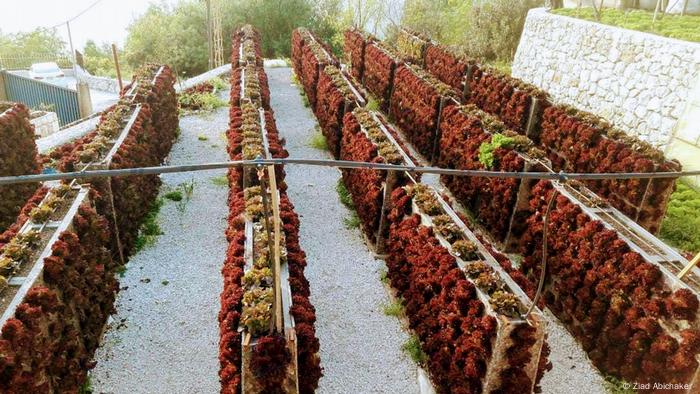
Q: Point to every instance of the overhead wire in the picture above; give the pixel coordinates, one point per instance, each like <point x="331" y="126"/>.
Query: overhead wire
<point x="557" y="176"/>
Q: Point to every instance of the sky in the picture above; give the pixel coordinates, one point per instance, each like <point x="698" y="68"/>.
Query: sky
<point x="106" y="22"/>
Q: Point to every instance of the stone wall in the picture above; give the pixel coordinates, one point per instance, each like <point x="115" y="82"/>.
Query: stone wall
<point x="641" y="82"/>
<point x="103" y="84"/>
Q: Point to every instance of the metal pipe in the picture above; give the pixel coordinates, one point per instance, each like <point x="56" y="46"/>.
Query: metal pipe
<point x="561" y="176"/>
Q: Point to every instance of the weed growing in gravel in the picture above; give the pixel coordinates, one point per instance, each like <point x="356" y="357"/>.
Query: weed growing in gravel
<point x="412" y="347"/>
<point x="318" y="141"/>
<point x="202" y="137"/>
<point x="188" y="190"/>
<point x="122" y="269"/>
<point x="86" y="388"/>
<point x="220" y="180"/>
<point x="614" y="385"/>
<point x="305" y="100"/>
<point x="165" y="282"/>
<point x="352" y="222"/>
<point x="394" y="309"/>
<point x="384" y="276"/>
<point x="344" y="194"/>
<point x="174" y="195"/>
<point x="150" y="230"/>
<point x="200" y="102"/>
<point x="294" y="79"/>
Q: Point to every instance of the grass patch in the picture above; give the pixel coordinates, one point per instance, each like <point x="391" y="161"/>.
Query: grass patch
<point x="413" y="349"/>
<point x="202" y="137"/>
<point x="372" y="104"/>
<point x="614" y="385"/>
<point x="318" y="141"/>
<point x="305" y="100"/>
<point x="352" y="222"/>
<point x="384" y="276"/>
<point x="200" y="102"/>
<point x="672" y="26"/>
<point x="344" y="194"/>
<point x="682" y="221"/>
<point x="165" y="282"/>
<point x="150" y="229"/>
<point x="504" y="66"/>
<point x="86" y="388"/>
<point x="394" y="309"/>
<point x="174" y="195"/>
<point x="220" y="180"/>
<point x="121" y="270"/>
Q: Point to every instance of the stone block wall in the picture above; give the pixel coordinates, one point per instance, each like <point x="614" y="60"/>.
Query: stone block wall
<point x="45" y="123"/>
<point x="641" y="82"/>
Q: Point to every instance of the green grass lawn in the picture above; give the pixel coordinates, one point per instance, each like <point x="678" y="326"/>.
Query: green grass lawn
<point x="681" y="227"/>
<point x="685" y="27"/>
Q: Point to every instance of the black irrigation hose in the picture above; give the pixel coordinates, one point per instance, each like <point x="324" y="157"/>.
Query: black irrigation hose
<point x="560" y="176"/>
<point x="543" y="272"/>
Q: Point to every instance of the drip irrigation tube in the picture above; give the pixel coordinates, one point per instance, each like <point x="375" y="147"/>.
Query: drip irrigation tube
<point x="560" y="176"/>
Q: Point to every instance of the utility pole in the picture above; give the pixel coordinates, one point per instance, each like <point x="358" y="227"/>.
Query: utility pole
<point x="116" y="65"/>
<point x="209" y="35"/>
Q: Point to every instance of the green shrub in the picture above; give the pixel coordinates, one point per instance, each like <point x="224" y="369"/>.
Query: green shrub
<point x="682" y="221"/>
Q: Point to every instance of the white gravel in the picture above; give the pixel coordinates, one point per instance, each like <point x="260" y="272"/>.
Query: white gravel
<point x="164" y="337"/>
<point x="360" y="346"/>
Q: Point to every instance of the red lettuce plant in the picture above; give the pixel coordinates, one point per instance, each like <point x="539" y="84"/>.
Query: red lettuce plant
<point x="380" y="63"/>
<point x="336" y="95"/>
<point x="18" y="156"/>
<point x="506" y="97"/>
<point x="448" y="66"/>
<point x="631" y="322"/>
<point x="582" y="142"/>
<point x="416" y="104"/>
<point x="49" y="343"/>
<point x="354" y="44"/>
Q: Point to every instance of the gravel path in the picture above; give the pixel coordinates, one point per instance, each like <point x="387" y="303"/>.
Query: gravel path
<point x="164" y="337"/>
<point x="360" y="346"/>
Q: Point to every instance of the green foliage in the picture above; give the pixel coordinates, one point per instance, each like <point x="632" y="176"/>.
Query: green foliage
<point x="177" y="34"/>
<point x="318" y="141"/>
<point x="218" y="83"/>
<point x="202" y="137"/>
<point x="487" y="149"/>
<point x="20" y="50"/>
<point x="98" y="60"/>
<point x="674" y="26"/>
<point x="490" y="31"/>
<point x="384" y="276"/>
<point x="201" y="102"/>
<point x="352" y="222"/>
<point x="86" y="388"/>
<point x="150" y="229"/>
<point x="174" y="195"/>
<point x="372" y="105"/>
<point x="614" y="385"/>
<point x="414" y="350"/>
<point x="220" y="181"/>
<point x="394" y="308"/>
<point x="682" y="221"/>
<point x="344" y="194"/>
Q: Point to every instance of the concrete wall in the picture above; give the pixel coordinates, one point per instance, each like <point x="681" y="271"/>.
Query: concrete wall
<point x="103" y="84"/>
<point x="641" y="82"/>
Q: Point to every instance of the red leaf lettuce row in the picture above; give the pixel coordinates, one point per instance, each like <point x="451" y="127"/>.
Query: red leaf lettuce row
<point x="628" y="319"/>
<point x="415" y="106"/>
<point x="380" y="63"/>
<point x="49" y="343"/>
<point x="335" y="97"/>
<point x="18" y="156"/>
<point x="506" y="97"/>
<point x="463" y="132"/>
<point x="354" y="48"/>
<point x="582" y="142"/>
<point x="446" y="65"/>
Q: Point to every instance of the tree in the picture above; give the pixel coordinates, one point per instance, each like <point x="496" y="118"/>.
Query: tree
<point x="20" y="50"/>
